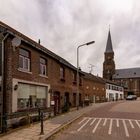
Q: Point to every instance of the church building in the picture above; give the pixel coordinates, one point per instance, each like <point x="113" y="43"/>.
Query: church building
<point x="128" y="77"/>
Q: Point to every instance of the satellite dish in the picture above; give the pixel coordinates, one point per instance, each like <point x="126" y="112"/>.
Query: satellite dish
<point x="16" y="41"/>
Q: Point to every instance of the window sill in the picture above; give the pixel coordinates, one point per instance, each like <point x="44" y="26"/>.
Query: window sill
<point x="25" y="71"/>
<point x="43" y="76"/>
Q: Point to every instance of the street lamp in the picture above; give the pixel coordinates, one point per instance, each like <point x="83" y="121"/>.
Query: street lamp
<point x="89" y="43"/>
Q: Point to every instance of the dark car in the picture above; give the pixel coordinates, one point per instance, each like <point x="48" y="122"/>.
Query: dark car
<point x="131" y="97"/>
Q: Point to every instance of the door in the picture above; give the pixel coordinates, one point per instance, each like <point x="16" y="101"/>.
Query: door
<point x="74" y="99"/>
<point x="57" y="103"/>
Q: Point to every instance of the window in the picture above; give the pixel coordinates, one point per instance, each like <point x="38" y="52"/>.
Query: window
<point x="62" y="73"/>
<point x="43" y="66"/>
<point x="109" y="87"/>
<point x="74" y="77"/>
<point x="31" y="96"/>
<point x="24" y="60"/>
<point x="80" y="81"/>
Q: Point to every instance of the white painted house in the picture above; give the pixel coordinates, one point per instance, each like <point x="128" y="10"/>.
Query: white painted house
<point x="114" y="91"/>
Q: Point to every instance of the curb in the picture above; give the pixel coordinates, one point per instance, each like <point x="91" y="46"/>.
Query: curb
<point x="60" y="128"/>
<point x="48" y="136"/>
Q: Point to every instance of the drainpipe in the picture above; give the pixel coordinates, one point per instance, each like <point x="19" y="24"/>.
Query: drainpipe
<point x="2" y="79"/>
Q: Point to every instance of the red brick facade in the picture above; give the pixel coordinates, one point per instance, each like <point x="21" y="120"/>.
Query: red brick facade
<point x="60" y="90"/>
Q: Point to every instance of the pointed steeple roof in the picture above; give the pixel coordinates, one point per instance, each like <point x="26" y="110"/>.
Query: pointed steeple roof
<point x="109" y="47"/>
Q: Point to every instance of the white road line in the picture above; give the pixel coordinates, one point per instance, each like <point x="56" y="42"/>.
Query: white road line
<point x="125" y="128"/>
<point x="110" y="127"/>
<point x="117" y="121"/>
<point x="96" y="125"/>
<point x="82" y="120"/>
<point x="105" y="122"/>
<point x="137" y="123"/>
<point x="84" y="124"/>
<point x="131" y="123"/>
<point x="93" y="121"/>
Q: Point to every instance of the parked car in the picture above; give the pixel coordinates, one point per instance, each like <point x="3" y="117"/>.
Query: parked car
<point x="131" y="97"/>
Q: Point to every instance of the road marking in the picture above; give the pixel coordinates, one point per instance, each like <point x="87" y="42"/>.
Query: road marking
<point x="83" y="120"/>
<point x="131" y="123"/>
<point x="93" y="121"/>
<point x="84" y="124"/>
<point x="125" y="128"/>
<point x="96" y="126"/>
<point x="105" y="122"/>
<point x="117" y="121"/>
<point x="137" y="123"/>
<point x="110" y="127"/>
<point x="96" y="122"/>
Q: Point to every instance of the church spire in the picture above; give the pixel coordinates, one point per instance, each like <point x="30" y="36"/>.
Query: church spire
<point x="109" y="48"/>
<point x="109" y="63"/>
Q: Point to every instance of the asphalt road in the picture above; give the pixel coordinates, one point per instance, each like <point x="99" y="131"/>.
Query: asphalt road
<point x="115" y="121"/>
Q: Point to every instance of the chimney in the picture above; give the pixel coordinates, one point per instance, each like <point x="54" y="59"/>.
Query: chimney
<point x="38" y="41"/>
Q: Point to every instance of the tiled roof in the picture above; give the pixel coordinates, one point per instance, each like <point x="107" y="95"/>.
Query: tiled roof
<point x="127" y="73"/>
<point x="37" y="45"/>
<point x="93" y="77"/>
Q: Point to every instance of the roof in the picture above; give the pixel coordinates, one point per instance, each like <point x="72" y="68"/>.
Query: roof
<point x="93" y="77"/>
<point x="109" y="81"/>
<point x="109" y="47"/>
<point x="37" y="45"/>
<point x="127" y="73"/>
<point x="100" y="79"/>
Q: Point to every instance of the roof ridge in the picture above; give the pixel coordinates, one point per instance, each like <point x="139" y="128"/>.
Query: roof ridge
<point x="129" y="68"/>
<point x="39" y="46"/>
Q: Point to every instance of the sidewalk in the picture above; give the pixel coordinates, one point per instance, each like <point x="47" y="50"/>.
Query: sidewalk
<point x="51" y="126"/>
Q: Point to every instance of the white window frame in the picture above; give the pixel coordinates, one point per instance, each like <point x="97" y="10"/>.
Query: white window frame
<point x="43" y="67"/>
<point x="24" y="61"/>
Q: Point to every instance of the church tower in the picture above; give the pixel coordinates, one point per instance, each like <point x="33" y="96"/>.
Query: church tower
<point x="109" y="64"/>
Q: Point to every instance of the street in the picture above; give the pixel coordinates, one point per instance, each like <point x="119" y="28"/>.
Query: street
<point x="114" y="121"/>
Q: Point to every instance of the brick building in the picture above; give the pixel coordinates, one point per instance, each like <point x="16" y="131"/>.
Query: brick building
<point x="32" y="76"/>
<point x="129" y="77"/>
<point x="94" y="88"/>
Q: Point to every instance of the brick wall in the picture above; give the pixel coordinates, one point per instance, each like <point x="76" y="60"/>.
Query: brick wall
<point x="53" y="78"/>
<point x="93" y="88"/>
<point x="131" y="84"/>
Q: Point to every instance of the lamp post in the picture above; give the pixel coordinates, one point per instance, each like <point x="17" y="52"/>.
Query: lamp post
<point x="86" y="44"/>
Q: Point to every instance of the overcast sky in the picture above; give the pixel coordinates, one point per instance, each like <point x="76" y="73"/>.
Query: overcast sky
<point x="62" y="25"/>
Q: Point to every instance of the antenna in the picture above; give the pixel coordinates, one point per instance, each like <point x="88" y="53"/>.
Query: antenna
<point x="91" y="68"/>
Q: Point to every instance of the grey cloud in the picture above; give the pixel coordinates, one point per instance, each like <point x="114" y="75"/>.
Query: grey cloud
<point x="62" y="25"/>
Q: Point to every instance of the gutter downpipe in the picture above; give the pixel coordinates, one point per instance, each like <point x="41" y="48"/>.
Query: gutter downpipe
<point x="2" y="80"/>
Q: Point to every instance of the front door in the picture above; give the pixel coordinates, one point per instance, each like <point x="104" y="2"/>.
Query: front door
<point x="74" y="99"/>
<point x="57" y="103"/>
